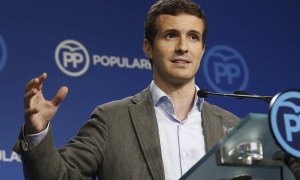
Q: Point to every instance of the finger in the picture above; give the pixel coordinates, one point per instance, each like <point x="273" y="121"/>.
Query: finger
<point x="31" y="84"/>
<point x="28" y="96"/>
<point x="41" y="79"/>
<point x="35" y="82"/>
<point x="60" y="96"/>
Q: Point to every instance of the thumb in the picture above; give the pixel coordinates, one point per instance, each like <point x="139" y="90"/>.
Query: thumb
<point x="60" y="96"/>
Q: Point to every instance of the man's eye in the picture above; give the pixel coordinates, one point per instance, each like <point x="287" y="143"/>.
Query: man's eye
<point x="170" y="36"/>
<point x="194" y="37"/>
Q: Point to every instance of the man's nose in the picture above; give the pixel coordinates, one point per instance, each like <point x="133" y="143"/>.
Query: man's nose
<point x="182" y="46"/>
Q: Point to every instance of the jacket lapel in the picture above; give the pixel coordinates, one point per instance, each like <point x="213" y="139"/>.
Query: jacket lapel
<point x="145" y="124"/>
<point x="212" y="126"/>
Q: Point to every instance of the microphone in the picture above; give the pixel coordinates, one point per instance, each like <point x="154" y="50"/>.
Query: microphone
<point x="202" y="93"/>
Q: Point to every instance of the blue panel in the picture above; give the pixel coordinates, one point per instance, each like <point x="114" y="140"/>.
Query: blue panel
<point x="264" y="33"/>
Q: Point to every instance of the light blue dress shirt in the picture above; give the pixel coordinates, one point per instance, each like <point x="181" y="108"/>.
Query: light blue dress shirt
<point x="182" y="142"/>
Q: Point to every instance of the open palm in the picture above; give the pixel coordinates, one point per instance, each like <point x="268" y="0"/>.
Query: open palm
<point x="38" y="111"/>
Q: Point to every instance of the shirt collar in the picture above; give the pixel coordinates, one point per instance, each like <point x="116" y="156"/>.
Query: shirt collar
<point x="158" y="95"/>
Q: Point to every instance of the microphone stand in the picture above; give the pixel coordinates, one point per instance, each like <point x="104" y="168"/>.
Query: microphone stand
<point x="237" y="94"/>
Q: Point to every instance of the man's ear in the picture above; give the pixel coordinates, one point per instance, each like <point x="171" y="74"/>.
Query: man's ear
<point x="147" y="49"/>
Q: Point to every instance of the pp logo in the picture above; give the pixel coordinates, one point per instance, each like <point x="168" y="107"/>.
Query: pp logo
<point x="285" y="121"/>
<point x="3" y="53"/>
<point x="72" y="58"/>
<point x="225" y="69"/>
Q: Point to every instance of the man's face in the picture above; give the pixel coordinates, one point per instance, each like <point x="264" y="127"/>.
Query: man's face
<point x="177" y="48"/>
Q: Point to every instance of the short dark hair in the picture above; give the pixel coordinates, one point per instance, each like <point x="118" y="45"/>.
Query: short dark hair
<point x="171" y="7"/>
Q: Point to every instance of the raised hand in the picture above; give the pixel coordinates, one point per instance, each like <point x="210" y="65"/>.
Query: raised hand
<point x="38" y="111"/>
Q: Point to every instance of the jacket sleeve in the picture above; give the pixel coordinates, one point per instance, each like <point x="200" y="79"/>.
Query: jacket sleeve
<point x="79" y="159"/>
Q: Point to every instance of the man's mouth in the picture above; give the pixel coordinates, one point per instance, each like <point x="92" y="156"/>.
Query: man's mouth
<point x="180" y="61"/>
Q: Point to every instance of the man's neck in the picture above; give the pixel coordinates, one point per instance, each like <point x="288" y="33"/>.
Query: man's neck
<point x="182" y="96"/>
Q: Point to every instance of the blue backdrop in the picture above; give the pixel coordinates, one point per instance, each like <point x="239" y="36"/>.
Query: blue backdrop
<point x="95" y="48"/>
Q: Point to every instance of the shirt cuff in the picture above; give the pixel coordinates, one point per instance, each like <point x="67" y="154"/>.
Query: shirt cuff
<point x="32" y="140"/>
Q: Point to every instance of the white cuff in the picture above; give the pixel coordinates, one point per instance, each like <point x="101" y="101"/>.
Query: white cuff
<point x="33" y="140"/>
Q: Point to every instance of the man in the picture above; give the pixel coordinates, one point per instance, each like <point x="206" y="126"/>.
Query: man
<point x="157" y="134"/>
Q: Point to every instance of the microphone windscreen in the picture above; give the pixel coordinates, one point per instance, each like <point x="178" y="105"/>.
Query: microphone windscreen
<point x="202" y="93"/>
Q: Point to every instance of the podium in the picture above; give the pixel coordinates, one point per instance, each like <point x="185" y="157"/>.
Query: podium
<point x="244" y="153"/>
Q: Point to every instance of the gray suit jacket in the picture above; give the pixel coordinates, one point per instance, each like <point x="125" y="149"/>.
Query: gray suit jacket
<point x="120" y="141"/>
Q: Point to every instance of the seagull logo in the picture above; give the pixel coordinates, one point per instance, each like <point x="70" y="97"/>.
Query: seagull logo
<point x="72" y="58"/>
<point x="285" y="120"/>
<point x="225" y="69"/>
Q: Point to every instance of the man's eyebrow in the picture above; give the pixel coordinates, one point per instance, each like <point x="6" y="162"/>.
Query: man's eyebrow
<point x="170" y="30"/>
<point x="176" y="30"/>
<point x="195" y="32"/>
